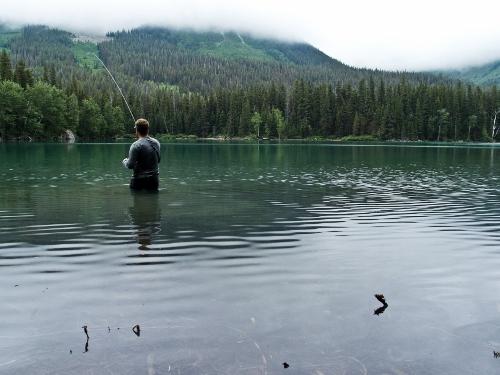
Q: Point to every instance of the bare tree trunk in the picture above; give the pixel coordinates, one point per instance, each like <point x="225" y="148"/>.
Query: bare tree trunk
<point x="494" y="128"/>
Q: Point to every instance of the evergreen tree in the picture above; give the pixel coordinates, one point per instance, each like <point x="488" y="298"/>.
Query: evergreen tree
<point x="472" y="126"/>
<point x="52" y="75"/>
<point x="72" y="112"/>
<point x="45" y="76"/>
<point x="5" y="67"/>
<point x="326" y="111"/>
<point x="271" y="126"/>
<point x="245" y="118"/>
<point x="20" y="74"/>
<point x="443" y="117"/>
<point x="356" y="125"/>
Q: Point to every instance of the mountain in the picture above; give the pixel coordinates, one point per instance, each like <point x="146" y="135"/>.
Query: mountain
<point x="230" y="45"/>
<point x="483" y="75"/>
<point x="190" y="60"/>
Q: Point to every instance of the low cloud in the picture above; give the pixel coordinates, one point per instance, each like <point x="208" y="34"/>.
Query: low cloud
<point x="384" y="34"/>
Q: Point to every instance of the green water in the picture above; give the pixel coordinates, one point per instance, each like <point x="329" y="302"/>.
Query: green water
<point x="248" y="257"/>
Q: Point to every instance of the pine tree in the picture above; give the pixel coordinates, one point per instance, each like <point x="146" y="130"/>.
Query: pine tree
<point x="20" y="75"/>
<point x="5" y="67"/>
<point x="29" y="77"/>
<point x="443" y="117"/>
<point x="326" y="112"/>
<point x="356" y="125"/>
<point x="472" y="125"/>
<point x="45" y="76"/>
<point x="245" y="117"/>
<point x="72" y="112"/>
<point x="52" y="75"/>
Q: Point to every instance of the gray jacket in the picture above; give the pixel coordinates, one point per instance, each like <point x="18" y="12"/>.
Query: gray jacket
<point x="143" y="157"/>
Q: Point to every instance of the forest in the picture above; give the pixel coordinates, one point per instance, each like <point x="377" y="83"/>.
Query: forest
<point x="185" y="86"/>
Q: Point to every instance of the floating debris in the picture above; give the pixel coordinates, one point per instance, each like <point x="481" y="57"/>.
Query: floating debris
<point x="70" y="351"/>
<point x="137" y="330"/>
<point x="15" y="286"/>
<point x="86" y="331"/>
<point x="381" y="299"/>
<point x="285" y="365"/>
<point x="381" y="309"/>
<point x="88" y="337"/>
<point x="496" y="354"/>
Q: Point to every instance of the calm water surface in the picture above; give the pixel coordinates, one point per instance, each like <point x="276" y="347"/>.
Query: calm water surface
<point x="250" y="256"/>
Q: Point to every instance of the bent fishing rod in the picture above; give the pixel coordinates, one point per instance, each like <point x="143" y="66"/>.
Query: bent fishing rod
<point x="117" y="86"/>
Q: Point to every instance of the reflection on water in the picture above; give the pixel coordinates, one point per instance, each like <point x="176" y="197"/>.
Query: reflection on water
<point x="145" y="215"/>
<point x="249" y="258"/>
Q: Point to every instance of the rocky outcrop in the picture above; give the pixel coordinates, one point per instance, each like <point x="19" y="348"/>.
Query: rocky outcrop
<point x="68" y="136"/>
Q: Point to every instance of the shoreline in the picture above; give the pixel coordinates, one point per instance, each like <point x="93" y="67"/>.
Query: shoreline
<point x="244" y="140"/>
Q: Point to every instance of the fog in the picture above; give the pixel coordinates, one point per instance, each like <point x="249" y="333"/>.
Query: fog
<point x="384" y="34"/>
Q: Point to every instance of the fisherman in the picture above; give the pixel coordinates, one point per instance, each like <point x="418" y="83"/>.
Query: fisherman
<point x="143" y="158"/>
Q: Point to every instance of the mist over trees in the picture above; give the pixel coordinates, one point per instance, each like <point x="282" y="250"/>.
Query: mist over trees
<point x="185" y="86"/>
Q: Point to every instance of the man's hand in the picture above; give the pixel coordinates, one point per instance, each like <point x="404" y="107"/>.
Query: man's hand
<point x="124" y="162"/>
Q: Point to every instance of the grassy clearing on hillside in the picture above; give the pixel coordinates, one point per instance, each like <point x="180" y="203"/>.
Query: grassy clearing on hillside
<point x="232" y="47"/>
<point x="84" y="54"/>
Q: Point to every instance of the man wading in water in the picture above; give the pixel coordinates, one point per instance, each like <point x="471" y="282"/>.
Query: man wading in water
<point x="143" y="158"/>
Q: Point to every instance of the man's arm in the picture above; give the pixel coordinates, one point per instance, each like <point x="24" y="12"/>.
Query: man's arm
<point x="156" y="147"/>
<point x="132" y="157"/>
<point x="159" y="153"/>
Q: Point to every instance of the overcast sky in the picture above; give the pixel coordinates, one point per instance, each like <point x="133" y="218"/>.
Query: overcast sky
<point x="385" y="34"/>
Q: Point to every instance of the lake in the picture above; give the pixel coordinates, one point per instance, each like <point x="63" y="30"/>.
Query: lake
<point x="249" y="257"/>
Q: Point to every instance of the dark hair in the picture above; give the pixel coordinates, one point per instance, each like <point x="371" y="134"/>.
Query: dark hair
<point x="142" y="127"/>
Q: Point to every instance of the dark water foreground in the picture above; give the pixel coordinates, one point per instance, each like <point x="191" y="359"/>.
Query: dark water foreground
<point x="250" y="256"/>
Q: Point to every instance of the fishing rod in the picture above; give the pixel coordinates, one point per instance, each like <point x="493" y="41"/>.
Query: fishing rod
<point x="118" y="86"/>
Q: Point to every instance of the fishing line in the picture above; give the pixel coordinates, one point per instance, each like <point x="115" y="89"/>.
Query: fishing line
<point x="116" y="83"/>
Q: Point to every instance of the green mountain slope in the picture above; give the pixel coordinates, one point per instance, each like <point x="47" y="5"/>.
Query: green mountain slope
<point x="232" y="45"/>
<point x="190" y="60"/>
<point x="484" y="75"/>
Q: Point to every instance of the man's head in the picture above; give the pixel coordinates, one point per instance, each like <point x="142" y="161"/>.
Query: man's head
<point x="142" y="127"/>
